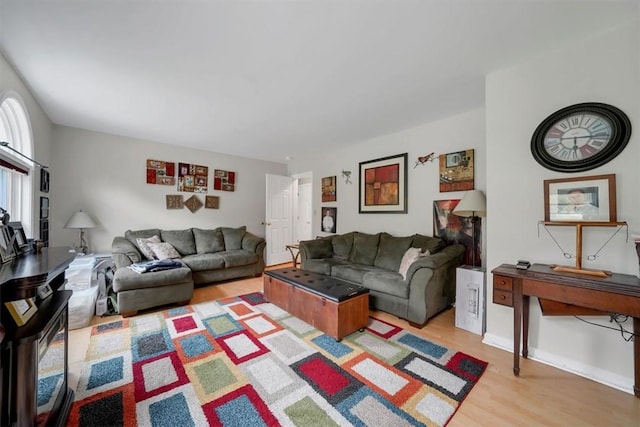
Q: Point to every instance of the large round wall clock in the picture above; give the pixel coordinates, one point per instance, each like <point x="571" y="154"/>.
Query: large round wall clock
<point x="580" y="137"/>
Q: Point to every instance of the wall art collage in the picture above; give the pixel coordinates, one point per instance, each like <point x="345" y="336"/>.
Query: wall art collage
<point x="190" y="178"/>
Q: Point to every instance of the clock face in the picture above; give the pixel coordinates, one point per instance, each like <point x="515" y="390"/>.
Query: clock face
<point x="580" y="137"/>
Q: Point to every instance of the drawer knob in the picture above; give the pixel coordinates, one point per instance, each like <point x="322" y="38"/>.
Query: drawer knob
<point x="502" y="297"/>
<point x="502" y="282"/>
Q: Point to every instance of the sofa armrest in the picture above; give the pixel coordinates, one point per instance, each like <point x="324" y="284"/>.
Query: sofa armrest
<point x="251" y="242"/>
<point x="314" y="249"/>
<point x="124" y="252"/>
<point x="432" y="283"/>
<point x="436" y="260"/>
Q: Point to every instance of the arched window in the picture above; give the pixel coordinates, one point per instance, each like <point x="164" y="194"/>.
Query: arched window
<point x="16" y="174"/>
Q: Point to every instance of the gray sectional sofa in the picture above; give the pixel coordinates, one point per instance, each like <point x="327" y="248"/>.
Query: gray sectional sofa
<point x="373" y="261"/>
<point x="206" y="256"/>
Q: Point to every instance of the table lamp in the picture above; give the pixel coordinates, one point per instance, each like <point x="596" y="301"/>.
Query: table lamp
<point x="473" y="204"/>
<point x="80" y="220"/>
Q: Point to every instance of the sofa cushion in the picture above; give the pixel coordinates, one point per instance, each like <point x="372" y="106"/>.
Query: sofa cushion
<point x="182" y="240"/>
<point x="133" y="236"/>
<point x="352" y="272"/>
<point x="143" y="244"/>
<point x="238" y="258"/>
<point x="390" y="251"/>
<point x="319" y="248"/>
<point x="324" y="265"/>
<point x="204" y="261"/>
<point x="432" y="244"/>
<point x="250" y="242"/>
<point x="365" y="248"/>
<point x="126" y="279"/>
<point x="342" y="245"/>
<point x="163" y="250"/>
<point x="208" y="241"/>
<point x="386" y="282"/>
<point x="233" y="237"/>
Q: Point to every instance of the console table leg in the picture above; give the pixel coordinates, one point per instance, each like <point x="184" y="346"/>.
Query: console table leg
<point x="636" y="355"/>
<point x="517" y="325"/>
<point x="525" y="326"/>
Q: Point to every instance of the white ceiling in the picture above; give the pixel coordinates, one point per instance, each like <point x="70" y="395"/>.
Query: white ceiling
<point x="269" y="79"/>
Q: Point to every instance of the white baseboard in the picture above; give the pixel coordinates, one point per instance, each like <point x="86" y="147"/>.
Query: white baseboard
<point x="598" y="375"/>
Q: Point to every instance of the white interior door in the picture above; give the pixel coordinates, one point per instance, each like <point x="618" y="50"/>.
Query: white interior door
<point x="305" y="212"/>
<point x="278" y="218"/>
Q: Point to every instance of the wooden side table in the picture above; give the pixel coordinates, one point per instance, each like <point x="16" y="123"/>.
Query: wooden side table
<point x="294" y="249"/>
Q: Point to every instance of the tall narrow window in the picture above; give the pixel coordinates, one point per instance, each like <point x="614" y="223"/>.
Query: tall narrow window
<point x="16" y="174"/>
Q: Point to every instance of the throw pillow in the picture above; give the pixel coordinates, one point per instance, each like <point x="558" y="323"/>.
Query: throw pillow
<point x="163" y="250"/>
<point x="233" y="237"/>
<point x="143" y="244"/>
<point x="409" y="257"/>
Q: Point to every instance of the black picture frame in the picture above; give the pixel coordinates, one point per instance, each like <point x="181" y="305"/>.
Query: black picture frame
<point x="7" y="251"/>
<point x="44" y="180"/>
<point x="20" y="242"/>
<point x="383" y="185"/>
<point x="44" y="207"/>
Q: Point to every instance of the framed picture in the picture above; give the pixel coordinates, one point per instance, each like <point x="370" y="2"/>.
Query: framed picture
<point x="174" y="201"/>
<point x="7" y="250"/>
<point x="44" y="207"/>
<point x="211" y="202"/>
<point x="383" y="185"/>
<point x="455" y="229"/>
<point x="581" y="199"/>
<point x="20" y="243"/>
<point x="329" y="189"/>
<point x="22" y="310"/>
<point x="224" y="180"/>
<point x="44" y="180"/>
<point x="329" y="219"/>
<point x="456" y="171"/>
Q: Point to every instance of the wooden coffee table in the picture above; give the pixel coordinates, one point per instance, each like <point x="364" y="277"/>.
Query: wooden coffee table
<point x="335" y="307"/>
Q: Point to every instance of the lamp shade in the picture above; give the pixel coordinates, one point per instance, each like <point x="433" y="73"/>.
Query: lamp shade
<point x="472" y="204"/>
<point x="80" y="220"/>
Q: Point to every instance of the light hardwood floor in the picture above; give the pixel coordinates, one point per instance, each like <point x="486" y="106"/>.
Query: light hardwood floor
<point x="541" y="396"/>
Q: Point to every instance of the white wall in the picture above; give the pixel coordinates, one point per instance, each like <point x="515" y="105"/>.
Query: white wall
<point x="456" y="133"/>
<point x="602" y="69"/>
<point x="41" y="128"/>
<point x="105" y="176"/>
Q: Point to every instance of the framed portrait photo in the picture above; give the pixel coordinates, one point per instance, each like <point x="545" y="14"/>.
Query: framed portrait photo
<point x="383" y="185"/>
<point x="21" y="310"/>
<point x="7" y="250"/>
<point x="581" y="199"/>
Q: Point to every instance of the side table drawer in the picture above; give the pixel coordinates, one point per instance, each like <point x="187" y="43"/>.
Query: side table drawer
<point x="502" y="282"/>
<point x="503" y="290"/>
<point x="502" y="297"/>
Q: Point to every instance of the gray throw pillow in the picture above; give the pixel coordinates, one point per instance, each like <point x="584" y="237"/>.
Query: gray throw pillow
<point x="233" y="237"/>
<point x="391" y="251"/>
<point x="133" y="236"/>
<point x="208" y="241"/>
<point x="181" y="240"/>
<point x="365" y="248"/>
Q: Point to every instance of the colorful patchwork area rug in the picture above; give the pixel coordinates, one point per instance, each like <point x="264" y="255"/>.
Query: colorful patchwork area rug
<point x="242" y="361"/>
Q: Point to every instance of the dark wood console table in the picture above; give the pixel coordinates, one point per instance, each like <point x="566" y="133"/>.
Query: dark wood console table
<point x="562" y="293"/>
<point x="24" y="348"/>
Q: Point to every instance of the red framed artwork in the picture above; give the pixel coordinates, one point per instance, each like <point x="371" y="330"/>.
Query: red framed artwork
<point x="383" y="185"/>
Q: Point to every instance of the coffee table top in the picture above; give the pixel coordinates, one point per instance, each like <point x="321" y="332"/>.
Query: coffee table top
<point x="326" y="286"/>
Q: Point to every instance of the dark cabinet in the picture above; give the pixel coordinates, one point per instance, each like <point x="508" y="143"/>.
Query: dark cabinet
<point x="34" y="357"/>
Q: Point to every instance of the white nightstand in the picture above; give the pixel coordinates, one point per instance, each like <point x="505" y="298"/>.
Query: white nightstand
<point x="470" y="299"/>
